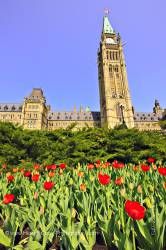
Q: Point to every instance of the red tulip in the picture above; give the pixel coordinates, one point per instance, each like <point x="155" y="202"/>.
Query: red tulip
<point x="48" y="185"/>
<point x="51" y="174"/>
<point x="8" y="198"/>
<point x="117" y="164"/>
<point x="10" y="178"/>
<point x="107" y="164"/>
<point x="90" y="166"/>
<point x="97" y="163"/>
<point x="83" y="187"/>
<point x="53" y="167"/>
<point x="27" y="174"/>
<point x="104" y="179"/>
<point x="62" y="166"/>
<point x="36" y="167"/>
<point x="162" y="171"/>
<point x="49" y="167"/>
<point x="35" y="177"/>
<point x="4" y="166"/>
<point x="119" y="181"/>
<point x="145" y="168"/>
<point x="135" y="210"/>
<point x="150" y="160"/>
<point x="135" y="168"/>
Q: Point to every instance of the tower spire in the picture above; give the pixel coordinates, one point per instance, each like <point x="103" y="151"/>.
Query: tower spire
<point x="107" y="27"/>
<point x="115" y="100"/>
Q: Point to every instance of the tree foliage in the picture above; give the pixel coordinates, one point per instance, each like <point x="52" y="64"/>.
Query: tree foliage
<point x="86" y="145"/>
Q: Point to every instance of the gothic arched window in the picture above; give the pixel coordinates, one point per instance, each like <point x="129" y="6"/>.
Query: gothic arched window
<point x="111" y="55"/>
<point x="119" y="111"/>
<point x="107" y="55"/>
<point x="116" y="68"/>
<point x="117" y="55"/>
<point x="110" y="68"/>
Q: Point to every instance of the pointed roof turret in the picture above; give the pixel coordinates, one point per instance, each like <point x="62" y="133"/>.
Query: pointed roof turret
<point x="36" y="93"/>
<point x="107" y="28"/>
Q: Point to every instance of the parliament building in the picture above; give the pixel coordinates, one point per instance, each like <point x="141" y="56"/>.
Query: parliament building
<point x="115" y="100"/>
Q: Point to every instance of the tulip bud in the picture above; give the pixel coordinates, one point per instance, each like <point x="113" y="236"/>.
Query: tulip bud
<point x="60" y="171"/>
<point x="80" y="174"/>
<point x="123" y="192"/>
<point x="83" y="187"/>
<point x="88" y="220"/>
<point x="15" y="170"/>
<point x="41" y="210"/>
<point x="131" y="186"/>
<point x="82" y="237"/>
<point x="73" y="213"/>
<point x="8" y="174"/>
<point x="151" y="188"/>
<point x="148" y="202"/>
<point x="71" y="181"/>
<point x="4" y="166"/>
<point x="51" y="174"/>
<point x="92" y="178"/>
<point x="36" y="195"/>
<point x="22" y="170"/>
<point x="135" y="168"/>
<point x="22" y="201"/>
<point x="154" y="167"/>
<point x="139" y="189"/>
<point x="128" y="174"/>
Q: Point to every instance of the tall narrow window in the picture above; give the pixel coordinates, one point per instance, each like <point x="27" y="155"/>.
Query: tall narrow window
<point x="110" y="68"/>
<point x="107" y="55"/>
<point x="117" y="55"/>
<point x="116" y="68"/>
<point x="111" y="55"/>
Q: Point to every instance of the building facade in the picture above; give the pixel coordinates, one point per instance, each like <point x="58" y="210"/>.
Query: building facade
<point x="115" y="100"/>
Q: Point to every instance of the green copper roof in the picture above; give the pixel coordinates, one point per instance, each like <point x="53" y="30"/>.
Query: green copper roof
<point x="107" y="28"/>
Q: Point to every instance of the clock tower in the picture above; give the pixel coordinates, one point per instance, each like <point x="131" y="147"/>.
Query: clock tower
<point x="115" y="101"/>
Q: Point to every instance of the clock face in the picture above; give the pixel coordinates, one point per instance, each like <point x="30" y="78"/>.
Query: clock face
<point x="110" y="41"/>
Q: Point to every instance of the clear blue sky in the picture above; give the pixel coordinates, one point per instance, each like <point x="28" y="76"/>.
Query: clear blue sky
<point x="53" y="44"/>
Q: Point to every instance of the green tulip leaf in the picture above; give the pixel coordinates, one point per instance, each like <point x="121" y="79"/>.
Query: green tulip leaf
<point x="4" y="239"/>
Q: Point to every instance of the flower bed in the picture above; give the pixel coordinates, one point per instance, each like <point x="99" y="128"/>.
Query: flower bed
<point x="118" y="205"/>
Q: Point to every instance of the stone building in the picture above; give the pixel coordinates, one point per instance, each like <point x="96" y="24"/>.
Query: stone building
<point x="115" y="100"/>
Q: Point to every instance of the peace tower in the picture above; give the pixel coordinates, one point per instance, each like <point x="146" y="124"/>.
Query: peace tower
<point x="115" y="101"/>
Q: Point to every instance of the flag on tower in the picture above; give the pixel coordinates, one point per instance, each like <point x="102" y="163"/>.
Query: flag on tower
<point x="106" y="11"/>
